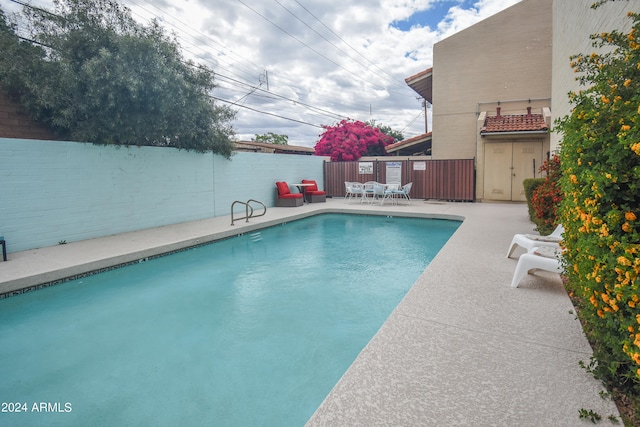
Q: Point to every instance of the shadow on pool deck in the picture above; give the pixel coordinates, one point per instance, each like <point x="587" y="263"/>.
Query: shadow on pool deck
<point x="462" y="348"/>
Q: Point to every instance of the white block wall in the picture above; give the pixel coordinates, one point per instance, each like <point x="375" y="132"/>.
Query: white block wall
<point x="52" y="191"/>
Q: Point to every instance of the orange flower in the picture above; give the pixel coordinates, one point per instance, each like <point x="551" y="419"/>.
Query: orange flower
<point x="626" y="227"/>
<point x="623" y="261"/>
<point x="630" y="216"/>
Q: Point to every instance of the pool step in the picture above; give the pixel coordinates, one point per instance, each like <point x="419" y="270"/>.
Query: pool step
<point x="255" y="237"/>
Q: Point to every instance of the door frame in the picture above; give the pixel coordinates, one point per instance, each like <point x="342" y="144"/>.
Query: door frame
<point x="507" y="181"/>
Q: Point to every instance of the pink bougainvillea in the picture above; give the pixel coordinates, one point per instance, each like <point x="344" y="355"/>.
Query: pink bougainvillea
<point x="350" y="140"/>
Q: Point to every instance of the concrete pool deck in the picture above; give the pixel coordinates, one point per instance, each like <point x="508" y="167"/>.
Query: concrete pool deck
<point x="462" y="348"/>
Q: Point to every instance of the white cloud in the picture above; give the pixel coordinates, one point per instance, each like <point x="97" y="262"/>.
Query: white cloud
<point x="354" y="68"/>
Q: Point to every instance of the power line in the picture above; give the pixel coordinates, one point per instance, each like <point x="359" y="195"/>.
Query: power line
<point x="212" y="40"/>
<point x="305" y="45"/>
<point x="255" y="90"/>
<point x="345" y="42"/>
<point x="206" y="38"/>
<point x="23" y="4"/>
<point x="328" y="113"/>
<point x="233" y="103"/>
<point x="411" y="122"/>
<point x="330" y="42"/>
<point x="270" y="114"/>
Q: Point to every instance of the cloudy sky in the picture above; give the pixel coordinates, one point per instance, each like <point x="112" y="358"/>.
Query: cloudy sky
<point x="291" y="66"/>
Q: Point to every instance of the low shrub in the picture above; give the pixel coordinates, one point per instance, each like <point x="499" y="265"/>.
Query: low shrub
<point x="546" y="197"/>
<point x="530" y="184"/>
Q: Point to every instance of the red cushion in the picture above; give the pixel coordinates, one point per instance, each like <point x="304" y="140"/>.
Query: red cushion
<point x="283" y="188"/>
<point x="310" y="188"/>
<point x="315" y="193"/>
<point x="291" y="196"/>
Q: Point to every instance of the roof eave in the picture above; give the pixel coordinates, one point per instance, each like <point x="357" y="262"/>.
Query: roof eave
<point x="518" y="132"/>
<point x="409" y="142"/>
<point x="422" y="84"/>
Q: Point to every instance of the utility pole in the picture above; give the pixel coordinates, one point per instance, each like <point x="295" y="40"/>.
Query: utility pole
<point x="426" y="119"/>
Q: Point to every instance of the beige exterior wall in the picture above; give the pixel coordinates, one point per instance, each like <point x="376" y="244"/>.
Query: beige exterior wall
<point x="504" y="60"/>
<point x="573" y="22"/>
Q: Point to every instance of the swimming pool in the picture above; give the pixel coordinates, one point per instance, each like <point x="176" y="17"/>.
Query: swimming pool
<point x="253" y="330"/>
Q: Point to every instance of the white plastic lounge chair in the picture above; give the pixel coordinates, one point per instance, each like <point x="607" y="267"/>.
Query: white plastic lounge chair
<point x="539" y="258"/>
<point x="529" y="241"/>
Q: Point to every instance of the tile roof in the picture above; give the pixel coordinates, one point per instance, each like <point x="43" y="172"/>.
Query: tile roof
<point x="407" y="142"/>
<point x="514" y="123"/>
<point x="273" y="148"/>
<point x="422" y="73"/>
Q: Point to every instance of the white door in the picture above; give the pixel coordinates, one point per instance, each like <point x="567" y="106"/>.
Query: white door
<point x="507" y="165"/>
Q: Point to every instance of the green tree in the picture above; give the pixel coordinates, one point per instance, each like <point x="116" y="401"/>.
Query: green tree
<point x="272" y="138"/>
<point x="387" y="130"/>
<point x="96" y="75"/>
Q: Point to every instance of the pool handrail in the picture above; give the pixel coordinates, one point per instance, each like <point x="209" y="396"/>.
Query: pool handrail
<point x="248" y="208"/>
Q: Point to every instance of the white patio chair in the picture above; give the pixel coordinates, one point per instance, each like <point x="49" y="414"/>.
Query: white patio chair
<point x="538" y="258"/>
<point x="378" y="192"/>
<point x="368" y="190"/>
<point x="529" y="241"/>
<point x="390" y="192"/>
<point x="348" y="187"/>
<point x="404" y="191"/>
<point x="354" y="190"/>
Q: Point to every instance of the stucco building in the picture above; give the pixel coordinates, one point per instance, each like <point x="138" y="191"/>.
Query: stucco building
<point x="573" y="22"/>
<point x="497" y="87"/>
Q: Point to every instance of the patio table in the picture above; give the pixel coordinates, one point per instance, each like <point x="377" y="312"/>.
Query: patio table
<point x="302" y="189"/>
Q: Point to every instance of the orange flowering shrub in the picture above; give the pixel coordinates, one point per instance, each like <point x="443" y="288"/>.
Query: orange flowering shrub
<point x="600" y="159"/>
<point x="547" y="196"/>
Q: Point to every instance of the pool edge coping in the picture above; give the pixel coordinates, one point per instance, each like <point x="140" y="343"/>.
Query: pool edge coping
<point x="54" y="277"/>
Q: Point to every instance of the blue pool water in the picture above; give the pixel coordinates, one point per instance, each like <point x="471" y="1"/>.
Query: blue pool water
<point x="253" y="330"/>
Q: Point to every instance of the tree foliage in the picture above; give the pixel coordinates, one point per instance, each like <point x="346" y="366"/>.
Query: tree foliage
<point x="272" y="138"/>
<point x="600" y="160"/>
<point x="387" y="130"/>
<point x="350" y="140"/>
<point x="94" y="74"/>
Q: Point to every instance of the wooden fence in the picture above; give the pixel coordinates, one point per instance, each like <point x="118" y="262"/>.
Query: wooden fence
<point x="451" y="180"/>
